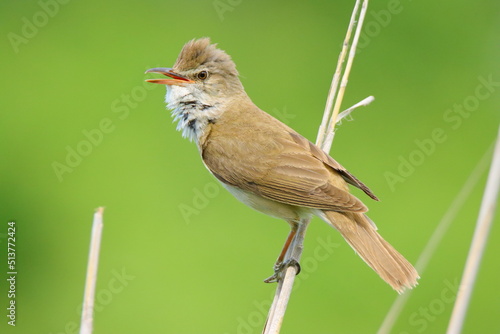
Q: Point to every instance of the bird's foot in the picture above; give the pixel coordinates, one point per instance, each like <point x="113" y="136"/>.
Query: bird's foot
<point x="280" y="269"/>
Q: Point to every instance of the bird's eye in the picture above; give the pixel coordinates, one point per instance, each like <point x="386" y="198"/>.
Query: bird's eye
<point x="202" y="75"/>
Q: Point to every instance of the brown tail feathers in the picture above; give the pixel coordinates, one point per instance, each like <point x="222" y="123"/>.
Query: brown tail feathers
<point x="362" y="235"/>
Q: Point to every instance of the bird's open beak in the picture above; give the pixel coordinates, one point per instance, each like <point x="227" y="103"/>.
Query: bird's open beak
<point x="177" y="79"/>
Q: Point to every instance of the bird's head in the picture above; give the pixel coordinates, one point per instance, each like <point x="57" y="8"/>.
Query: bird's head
<point x="201" y="70"/>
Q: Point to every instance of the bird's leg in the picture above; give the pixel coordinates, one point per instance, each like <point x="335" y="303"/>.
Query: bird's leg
<point x="286" y="248"/>
<point x="278" y="265"/>
<point x="292" y="250"/>
<point x="297" y="246"/>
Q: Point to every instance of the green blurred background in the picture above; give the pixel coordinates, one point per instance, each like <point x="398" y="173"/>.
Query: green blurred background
<point x="180" y="254"/>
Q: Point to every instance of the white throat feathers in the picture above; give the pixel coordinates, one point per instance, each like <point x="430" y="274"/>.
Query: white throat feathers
<point x="192" y="110"/>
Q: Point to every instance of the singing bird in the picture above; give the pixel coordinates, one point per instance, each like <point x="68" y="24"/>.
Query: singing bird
<point x="266" y="164"/>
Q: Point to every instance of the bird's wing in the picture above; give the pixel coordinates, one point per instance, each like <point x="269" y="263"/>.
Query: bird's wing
<point x="328" y="160"/>
<point x="288" y="169"/>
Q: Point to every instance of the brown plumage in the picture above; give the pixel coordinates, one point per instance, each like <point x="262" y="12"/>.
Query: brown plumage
<point x="266" y="164"/>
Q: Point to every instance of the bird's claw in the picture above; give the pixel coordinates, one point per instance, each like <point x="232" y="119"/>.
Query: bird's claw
<point x="280" y="268"/>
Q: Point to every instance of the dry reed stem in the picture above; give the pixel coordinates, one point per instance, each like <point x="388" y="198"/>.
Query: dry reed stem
<point x="336" y="78"/>
<point x="436" y="238"/>
<point x="91" y="279"/>
<point x="330" y="131"/>
<point x="324" y="140"/>
<point x="479" y="240"/>
<point x="285" y="284"/>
